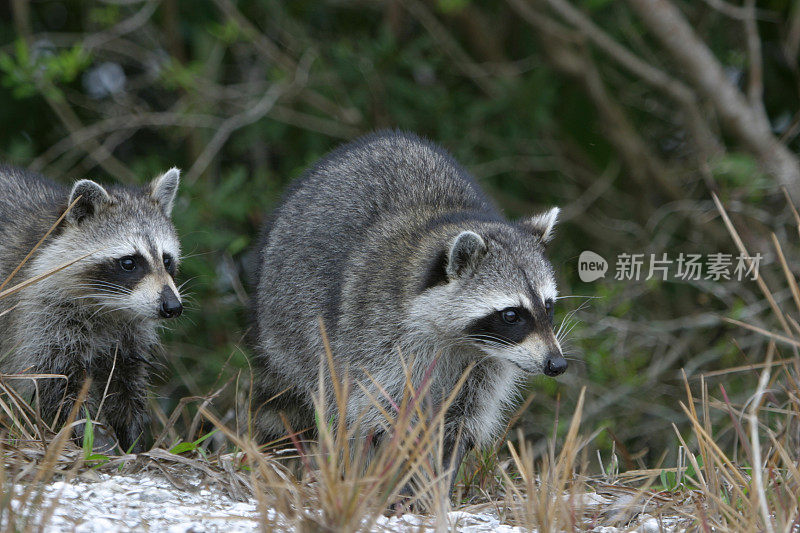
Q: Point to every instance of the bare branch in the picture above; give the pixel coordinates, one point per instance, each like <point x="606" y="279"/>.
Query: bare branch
<point x="750" y="126"/>
<point x="643" y="165"/>
<point x="738" y="12"/>
<point x="85" y="134"/>
<point x="651" y="75"/>
<point x="755" y="81"/>
<point x="471" y="69"/>
<point x="65" y="113"/>
<point x="128" y="25"/>
<point x="332" y="128"/>
<point x="247" y="117"/>
<point x="271" y="51"/>
<point x="792" y="43"/>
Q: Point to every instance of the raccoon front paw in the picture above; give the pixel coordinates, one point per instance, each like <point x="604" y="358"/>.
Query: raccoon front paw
<point x="131" y="438"/>
<point x="405" y="501"/>
<point x="105" y="442"/>
<point x="103" y="439"/>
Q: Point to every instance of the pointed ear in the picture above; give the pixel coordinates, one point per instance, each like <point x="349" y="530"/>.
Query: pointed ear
<point x="466" y="252"/>
<point x="93" y="199"/>
<point x="164" y="188"/>
<point x="542" y="224"/>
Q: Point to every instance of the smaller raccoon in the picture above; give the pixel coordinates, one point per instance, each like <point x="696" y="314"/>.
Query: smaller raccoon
<point x="98" y="317"/>
<point x="395" y="246"/>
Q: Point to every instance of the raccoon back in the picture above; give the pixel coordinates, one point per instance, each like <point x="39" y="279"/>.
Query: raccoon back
<point x="29" y="205"/>
<point x="355" y="218"/>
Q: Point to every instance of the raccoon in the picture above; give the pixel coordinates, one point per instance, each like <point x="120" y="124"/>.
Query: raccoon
<point x="397" y="249"/>
<point x="96" y="318"/>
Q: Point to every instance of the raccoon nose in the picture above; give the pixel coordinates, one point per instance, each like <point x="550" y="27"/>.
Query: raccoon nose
<point x="170" y="305"/>
<point x="555" y="365"/>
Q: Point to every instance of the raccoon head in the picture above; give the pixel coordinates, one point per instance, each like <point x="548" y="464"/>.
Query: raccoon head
<point x="496" y="292"/>
<point x="133" y="247"/>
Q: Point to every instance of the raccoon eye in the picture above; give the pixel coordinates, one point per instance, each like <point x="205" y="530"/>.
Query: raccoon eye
<point x="510" y="315"/>
<point x="127" y="263"/>
<point x="548" y="306"/>
<point x="168" y="263"/>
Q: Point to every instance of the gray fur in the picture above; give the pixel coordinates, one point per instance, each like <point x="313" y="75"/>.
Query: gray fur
<point x="164" y="188"/>
<point x="89" y="198"/>
<point x="398" y="250"/>
<point x="542" y="224"/>
<point x="84" y="320"/>
<point x="465" y="254"/>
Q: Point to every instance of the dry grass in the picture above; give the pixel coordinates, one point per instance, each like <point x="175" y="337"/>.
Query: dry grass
<point x="343" y="483"/>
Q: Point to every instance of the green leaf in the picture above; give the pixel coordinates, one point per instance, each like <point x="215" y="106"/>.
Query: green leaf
<point x="182" y="447"/>
<point x="594" y="5"/>
<point x="451" y="6"/>
<point x="130" y="448"/>
<point x="204" y="437"/>
<point x="88" y="435"/>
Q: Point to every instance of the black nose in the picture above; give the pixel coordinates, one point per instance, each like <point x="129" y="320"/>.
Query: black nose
<point x="170" y="305"/>
<point x="555" y="366"/>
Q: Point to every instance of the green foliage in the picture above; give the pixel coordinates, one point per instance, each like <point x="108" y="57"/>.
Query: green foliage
<point x="183" y="447"/>
<point x="595" y="5"/>
<point x="28" y="72"/>
<point x="107" y="15"/>
<point x="680" y="480"/>
<point x="227" y="33"/>
<point x="740" y="172"/>
<point x="88" y="442"/>
<point x="451" y="6"/>
<point x="176" y="75"/>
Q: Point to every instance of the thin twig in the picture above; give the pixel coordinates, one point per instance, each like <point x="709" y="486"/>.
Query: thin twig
<point x="750" y="126"/>
<point x="755" y="442"/>
<point x="755" y="71"/>
<point x="252" y="114"/>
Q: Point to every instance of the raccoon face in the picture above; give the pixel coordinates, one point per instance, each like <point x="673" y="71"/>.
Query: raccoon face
<point x="497" y="293"/>
<point x="135" y="249"/>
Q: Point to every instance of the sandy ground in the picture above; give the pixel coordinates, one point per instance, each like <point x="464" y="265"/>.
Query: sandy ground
<point x="148" y="502"/>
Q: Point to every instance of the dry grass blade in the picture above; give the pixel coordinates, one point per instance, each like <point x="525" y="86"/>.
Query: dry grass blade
<point x="751" y="366"/>
<point x="791" y="205"/>
<point x="787" y="272"/>
<point x="755" y="442"/>
<point x="554" y="500"/>
<point x="18" y="287"/>
<point x="38" y="244"/>
<point x="775" y="336"/>
<point x="759" y="280"/>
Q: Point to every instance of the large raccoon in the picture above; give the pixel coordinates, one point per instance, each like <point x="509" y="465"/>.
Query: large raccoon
<point x="396" y="248"/>
<point x="98" y="317"/>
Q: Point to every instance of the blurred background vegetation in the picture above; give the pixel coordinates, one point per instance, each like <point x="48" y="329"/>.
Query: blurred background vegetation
<point x="628" y="115"/>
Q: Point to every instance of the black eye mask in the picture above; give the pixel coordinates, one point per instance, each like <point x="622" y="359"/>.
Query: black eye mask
<point x="126" y="271"/>
<point x="499" y="326"/>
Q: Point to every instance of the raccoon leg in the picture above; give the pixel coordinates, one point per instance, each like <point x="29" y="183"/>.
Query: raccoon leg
<point x="125" y="403"/>
<point x="56" y="398"/>
<point x="273" y="406"/>
<point x="128" y="416"/>
<point x="457" y="445"/>
<point x="471" y="416"/>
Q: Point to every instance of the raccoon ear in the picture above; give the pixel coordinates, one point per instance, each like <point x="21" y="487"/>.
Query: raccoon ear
<point x="542" y="224"/>
<point x="164" y="188"/>
<point x="467" y="250"/>
<point x="93" y="198"/>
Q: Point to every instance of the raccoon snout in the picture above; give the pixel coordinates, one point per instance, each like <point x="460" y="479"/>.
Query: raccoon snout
<point x="555" y="365"/>
<point x="170" y="304"/>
